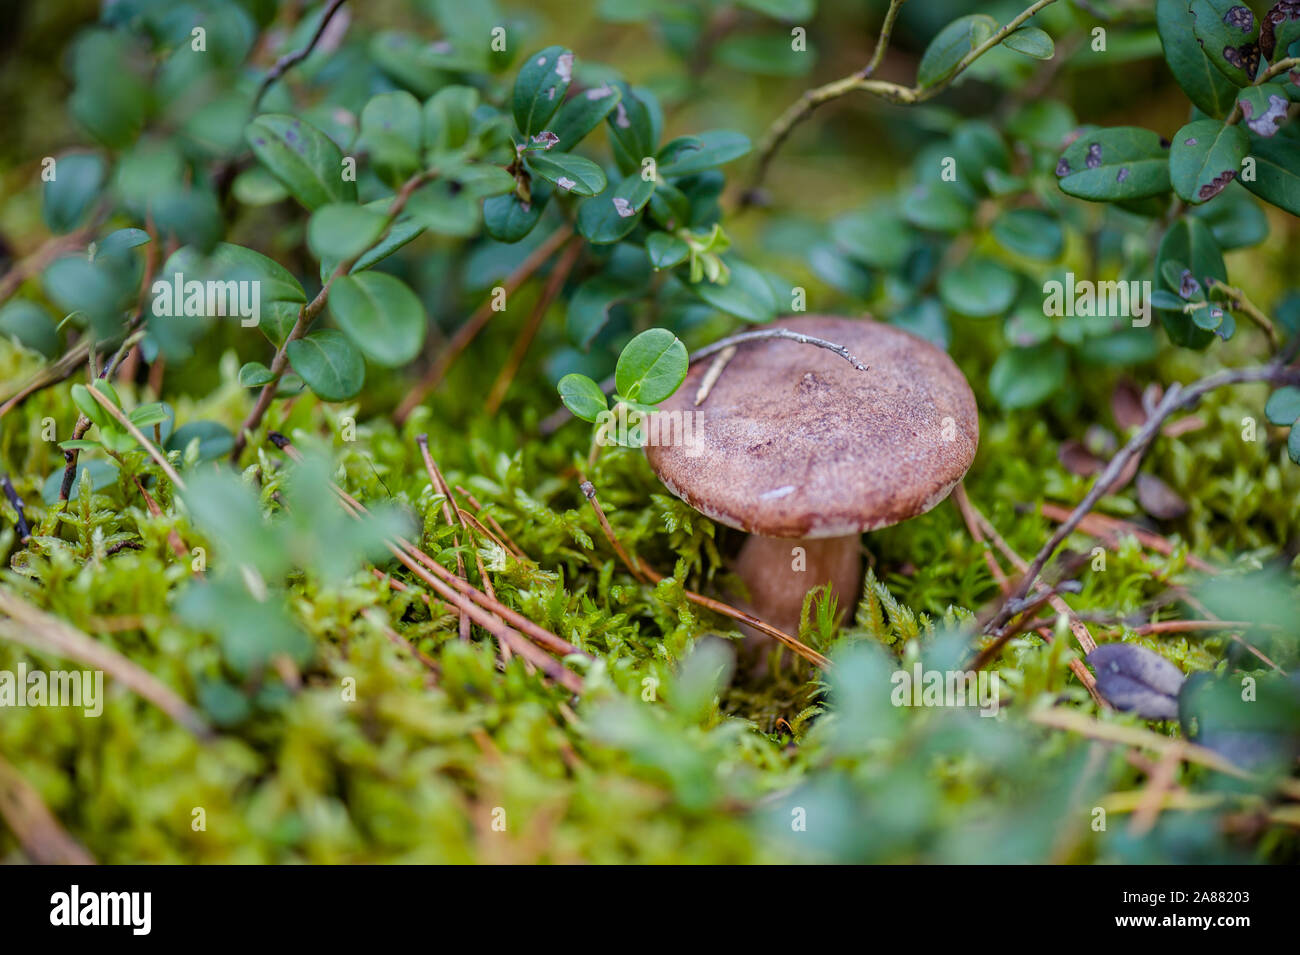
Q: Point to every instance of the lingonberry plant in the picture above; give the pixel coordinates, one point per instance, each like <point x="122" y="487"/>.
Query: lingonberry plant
<point x="299" y="302"/>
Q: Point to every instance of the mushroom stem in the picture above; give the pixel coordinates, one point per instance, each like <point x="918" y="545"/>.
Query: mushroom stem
<point x="779" y="572"/>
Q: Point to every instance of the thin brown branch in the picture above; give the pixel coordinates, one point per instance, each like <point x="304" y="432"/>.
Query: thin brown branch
<point x="290" y="60"/>
<point x="505" y="538"/>
<point x="16" y="502"/>
<point x="159" y="458"/>
<point x="762" y="334"/>
<point x="476" y="322"/>
<point x="802" y="108"/>
<point x="554" y="282"/>
<point x="43" y="840"/>
<point x="307" y="315"/>
<point x="1057" y="603"/>
<point x="484" y="611"/>
<point x="1111" y="529"/>
<point x="861" y="81"/>
<point x="33" y="628"/>
<point x="439" y="484"/>
<point x="1175" y="398"/>
<point x="973" y="525"/>
<point x="34" y="263"/>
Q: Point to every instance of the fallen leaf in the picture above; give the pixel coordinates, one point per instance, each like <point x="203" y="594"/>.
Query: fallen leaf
<point x="1133" y="678"/>
<point x="1158" y="499"/>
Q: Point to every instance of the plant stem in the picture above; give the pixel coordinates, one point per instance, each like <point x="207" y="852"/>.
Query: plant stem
<point x="290" y="60"/>
<point x="50" y="250"/>
<point x="798" y="111"/>
<point x="37" y="830"/>
<point x="1175" y="398"/>
<point x="763" y="333"/>
<point x="1242" y="303"/>
<point x="159" y="458"/>
<point x="307" y="314"/>
<point x="439" y="485"/>
<point x="16" y="502"/>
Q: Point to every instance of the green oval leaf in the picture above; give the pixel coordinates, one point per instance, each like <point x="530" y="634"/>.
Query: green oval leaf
<point x="569" y="173"/>
<point x="254" y="374"/>
<point x="119" y="241"/>
<point x="938" y="207"/>
<point x="1264" y="108"/>
<point x="1277" y="173"/>
<point x="1204" y="85"/>
<point x="1283" y="406"/>
<point x="582" y="396"/>
<point x="1228" y="32"/>
<point x="1030" y="232"/>
<point x="31" y="325"/>
<point x="1031" y="41"/>
<point x="950" y="46"/>
<point x="338" y="231"/>
<point x="381" y="315"/>
<point x="1188" y="244"/>
<point x="589" y="307"/>
<point x="651" y="367"/>
<point x="747" y="295"/>
<point x="303" y="158"/>
<point x="631" y="130"/>
<point x="666" y="250"/>
<point x="978" y="287"/>
<point x="508" y="218"/>
<point x="614" y="213"/>
<point x="1024" y="377"/>
<point x="214" y="438"/>
<point x="875" y="237"/>
<point x="539" y="90"/>
<point x="332" y="368"/>
<point x="581" y="114"/>
<point x="706" y="151"/>
<point x="1235" y="218"/>
<point x="448" y="118"/>
<point x="391" y="132"/>
<point x="78" y="179"/>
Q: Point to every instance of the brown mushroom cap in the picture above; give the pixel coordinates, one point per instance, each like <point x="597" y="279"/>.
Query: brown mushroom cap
<point x="793" y="441"/>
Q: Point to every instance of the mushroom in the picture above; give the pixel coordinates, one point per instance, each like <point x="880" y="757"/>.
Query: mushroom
<point x="804" y="452"/>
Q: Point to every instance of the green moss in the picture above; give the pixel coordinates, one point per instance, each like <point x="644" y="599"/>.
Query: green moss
<point x="413" y="769"/>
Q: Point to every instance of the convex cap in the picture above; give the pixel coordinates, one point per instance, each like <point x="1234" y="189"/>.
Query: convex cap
<point x="793" y="441"/>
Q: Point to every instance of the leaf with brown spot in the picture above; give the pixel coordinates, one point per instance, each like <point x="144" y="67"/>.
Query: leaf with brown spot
<point x="1229" y="34"/>
<point x="1206" y="155"/>
<point x="1204" y="85"/>
<point x="1091" y="166"/>
<point x="1264" y="108"/>
<point x="1279" y="28"/>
